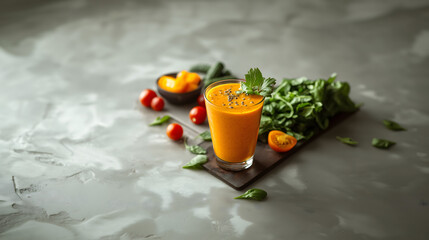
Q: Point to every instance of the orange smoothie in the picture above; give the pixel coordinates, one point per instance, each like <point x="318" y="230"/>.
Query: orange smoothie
<point x="233" y="120"/>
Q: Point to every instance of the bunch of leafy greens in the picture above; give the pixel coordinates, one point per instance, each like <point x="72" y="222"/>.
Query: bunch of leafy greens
<point x="302" y="107"/>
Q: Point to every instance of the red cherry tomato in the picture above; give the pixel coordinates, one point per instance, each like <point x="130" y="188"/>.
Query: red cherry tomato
<point x="157" y="104"/>
<point x="174" y="131"/>
<point x="146" y="97"/>
<point x="201" y="101"/>
<point x="198" y="115"/>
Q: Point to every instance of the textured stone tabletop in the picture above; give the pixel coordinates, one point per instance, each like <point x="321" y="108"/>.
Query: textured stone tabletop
<point x="79" y="161"/>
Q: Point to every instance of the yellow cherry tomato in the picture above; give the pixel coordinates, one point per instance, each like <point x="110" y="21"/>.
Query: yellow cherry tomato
<point x="191" y="87"/>
<point x="193" y="78"/>
<point x="171" y="84"/>
<point x="182" y="75"/>
<point x="184" y="82"/>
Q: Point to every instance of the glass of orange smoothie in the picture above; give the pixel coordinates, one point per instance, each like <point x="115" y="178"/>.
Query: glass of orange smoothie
<point x="234" y="123"/>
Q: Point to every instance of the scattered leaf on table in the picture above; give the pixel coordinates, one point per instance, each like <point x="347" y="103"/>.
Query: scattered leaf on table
<point x="195" y="149"/>
<point x="253" y="194"/>
<point x="347" y="140"/>
<point x="160" y="120"/>
<point x="196" y="162"/>
<point x="393" y="125"/>
<point x="206" y="136"/>
<point x="382" y="143"/>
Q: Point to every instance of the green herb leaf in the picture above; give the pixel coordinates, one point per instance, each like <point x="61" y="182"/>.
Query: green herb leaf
<point x="393" y="125"/>
<point x="195" y="149"/>
<point x="382" y="143"/>
<point x="160" y="120"/>
<point x="256" y="84"/>
<point x="196" y="162"/>
<point x="347" y="140"/>
<point x="206" y="136"/>
<point x="253" y="194"/>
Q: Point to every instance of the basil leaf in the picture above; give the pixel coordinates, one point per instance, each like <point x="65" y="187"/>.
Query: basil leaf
<point x="382" y="143"/>
<point x="253" y="194"/>
<point x="160" y="120"/>
<point x="195" y="149"/>
<point x="347" y="140"/>
<point x="206" y="136"/>
<point x="196" y="162"/>
<point x="393" y="125"/>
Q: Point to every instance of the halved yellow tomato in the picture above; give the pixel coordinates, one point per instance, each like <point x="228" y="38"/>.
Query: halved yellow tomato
<point x="280" y="141"/>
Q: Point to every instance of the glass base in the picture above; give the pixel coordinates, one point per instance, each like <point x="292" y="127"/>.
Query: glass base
<point x="234" y="166"/>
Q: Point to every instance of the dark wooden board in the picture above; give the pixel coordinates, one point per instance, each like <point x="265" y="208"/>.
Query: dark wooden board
<point x="264" y="160"/>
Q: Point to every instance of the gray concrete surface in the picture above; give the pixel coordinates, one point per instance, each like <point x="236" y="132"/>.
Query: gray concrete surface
<point x="79" y="161"/>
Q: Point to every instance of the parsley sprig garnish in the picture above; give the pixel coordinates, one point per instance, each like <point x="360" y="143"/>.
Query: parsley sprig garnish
<point x="256" y="84"/>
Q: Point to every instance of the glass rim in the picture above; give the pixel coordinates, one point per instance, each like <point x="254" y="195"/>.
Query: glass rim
<point x="220" y="82"/>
